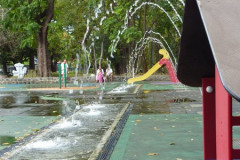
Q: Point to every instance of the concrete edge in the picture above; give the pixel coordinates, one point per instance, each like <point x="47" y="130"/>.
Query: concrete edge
<point x="34" y="136"/>
<point x="108" y="133"/>
<point x="137" y="88"/>
<point x="26" y="140"/>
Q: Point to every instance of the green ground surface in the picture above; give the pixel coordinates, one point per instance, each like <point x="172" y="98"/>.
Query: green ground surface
<point x="160" y="137"/>
<point x="23" y="87"/>
<point x="108" y="86"/>
<point x="149" y="86"/>
<point x="171" y="136"/>
<point x="14" y="128"/>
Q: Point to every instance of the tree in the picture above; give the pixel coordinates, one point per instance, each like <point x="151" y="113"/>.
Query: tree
<point x="95" y="26"/>
<point x="32" y="17"/>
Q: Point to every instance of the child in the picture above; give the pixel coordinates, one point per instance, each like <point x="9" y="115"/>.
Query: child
<point x="100" y="76"/>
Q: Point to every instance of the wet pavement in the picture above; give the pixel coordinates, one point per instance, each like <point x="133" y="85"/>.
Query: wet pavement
<point x="55" y="124"/>
<point x="165" y="123"/>
<point x="160" y="136"/>
<point x="165" y="119"/>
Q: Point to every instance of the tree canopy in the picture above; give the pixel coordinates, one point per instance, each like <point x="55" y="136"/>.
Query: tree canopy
<point x="125" y="34"/>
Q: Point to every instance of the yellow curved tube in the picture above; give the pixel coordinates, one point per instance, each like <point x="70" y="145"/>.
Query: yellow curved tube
<point x="152" y="70"/>
<point x="146" y="75"/>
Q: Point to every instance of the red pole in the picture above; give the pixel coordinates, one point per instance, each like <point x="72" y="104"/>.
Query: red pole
<point x="171" y="71"/>
<point x="223" y="121"/>
<point x="209" y="118"/>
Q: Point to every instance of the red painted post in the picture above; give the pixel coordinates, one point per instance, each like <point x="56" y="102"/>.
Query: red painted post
<point x="223" y="121"/>
<point x="171" y="71"/>
<point x="209" y="118"/>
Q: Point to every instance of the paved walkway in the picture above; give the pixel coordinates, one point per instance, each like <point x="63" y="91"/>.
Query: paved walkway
<point x="55" y="87"/>
<point x="165" y="123"/>
<point x="168" y="127"/>
<point x="160" y="136"/>
<point x="22" y="114"/>
<point x="15" y="128"/>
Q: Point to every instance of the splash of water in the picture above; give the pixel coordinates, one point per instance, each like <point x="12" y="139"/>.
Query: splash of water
<point x="123" y="88"/>
<point x="48" y="144"/>
<point x="109" y="63"/>
<point x="182" y="2"/>
<point x="91" y="112"/>
<point x="103" y="18"/>
<point x="98" y="10"/>
<point x="137" y="49"/>
<point x="145" y="42"/>
<point x="154" y="40"/>
<point x="95" y="105"/>
<point x="111" y="7"/>
<point x="76" y="70"/>
<point x="84" y="38"/>
<point x="81" y="84"/>
<point x="156" y="5"/>
<point x="84" y="48"/>
<point x="129" y="14"/>
<point x="179" y="17"/>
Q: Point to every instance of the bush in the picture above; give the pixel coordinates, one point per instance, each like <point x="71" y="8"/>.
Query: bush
<point x="31" y="73"/>
<point x="70" y="74"/>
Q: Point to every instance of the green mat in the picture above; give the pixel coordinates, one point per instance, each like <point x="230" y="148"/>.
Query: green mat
<point x="160" y="137"/>
<point x="24" y="87"/>
<point x="14" y="128"/>
<point x="108" y="86"/>
<point x="164" y="87"/>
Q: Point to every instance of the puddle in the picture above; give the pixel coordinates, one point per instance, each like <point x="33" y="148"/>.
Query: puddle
<point x="75" y="137"/>
<point x="31" y="104"/>
<point x="181" y="100"/>
<point x="7" y="140"/>
<point x="123" y="88"/>
<point x="150" y="108"/>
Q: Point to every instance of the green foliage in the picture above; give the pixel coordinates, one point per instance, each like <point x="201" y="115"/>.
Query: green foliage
<point x="70" y="74"/>
<point x="31" y="73"/>
<point x="24" y="17"/>
<point x="68" y="27"/>
<point x="132" y="34"/>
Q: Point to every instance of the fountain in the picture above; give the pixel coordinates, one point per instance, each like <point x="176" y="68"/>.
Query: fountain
<point x="128" y="15"/>
<point x="81" y="91"/>
<point x="146" y="41"/>
<point x="76" y="70"/>
<point x="85" y="117"/>
<point x="74" y="136"/>
<point x="123" y="88"/>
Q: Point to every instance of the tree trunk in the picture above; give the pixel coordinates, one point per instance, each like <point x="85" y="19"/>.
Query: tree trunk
<point x="145" y="27"/>
<point x="145" y="18"/>
<point x="44" y="61"/>
<point x="145" y="66"/>
<point x="4" y="67"/>
<point x="94" y="60"/>
<point x="53" y="65"/>
<point x="43" y="54"/>
<point x="152" y="52"/>
<point x="31" y="61"/>
<point x="102" y="51"/>
<point x="124" y="61"/>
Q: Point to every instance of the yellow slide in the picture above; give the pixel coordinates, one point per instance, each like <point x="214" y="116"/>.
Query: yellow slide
<point x="152" y="70"/>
